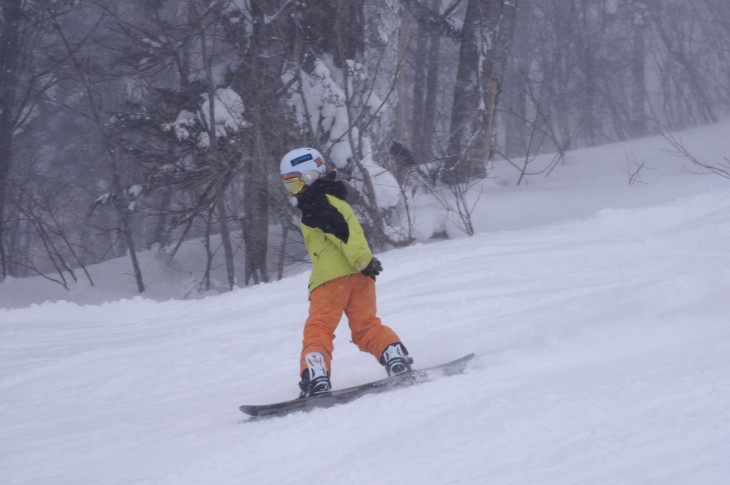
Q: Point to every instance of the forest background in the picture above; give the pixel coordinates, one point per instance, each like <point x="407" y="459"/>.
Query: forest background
<point x="129" y="125"/>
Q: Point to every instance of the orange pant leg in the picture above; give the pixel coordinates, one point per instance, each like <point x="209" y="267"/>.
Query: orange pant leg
<point x="326" y="305"/>
<point x="368" y="332"/>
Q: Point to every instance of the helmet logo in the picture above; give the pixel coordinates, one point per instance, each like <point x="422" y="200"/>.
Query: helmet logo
<point x="302" y="159"/>
<point x="319" y="161"/>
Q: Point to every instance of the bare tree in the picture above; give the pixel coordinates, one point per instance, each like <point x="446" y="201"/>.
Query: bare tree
<point x="84" y="70"/>
<point x="27" y="72"/>
<point x="38" y="205"/>
<point x="721" y="168"/>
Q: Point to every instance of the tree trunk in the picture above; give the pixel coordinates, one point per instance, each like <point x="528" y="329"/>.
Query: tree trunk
<point x="485" y="44"/>
<point x="638" y="71"/>
<point x="11" y="13"/>
<point x="516" y="117"/>
<point x="432" y="84"/>
<point x="216" y="164"/>
<point x="419" y="88"/>
<point x="401" y="125"/>
<point x="588" y="116"/>
<point x="260" y="77"/>
<point x="501" y="27"/>
<point x="466" y="117"/>
<point x="256" y="209"/>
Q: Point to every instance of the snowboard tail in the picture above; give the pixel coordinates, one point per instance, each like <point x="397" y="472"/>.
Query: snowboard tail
<point x="341" y="396"/>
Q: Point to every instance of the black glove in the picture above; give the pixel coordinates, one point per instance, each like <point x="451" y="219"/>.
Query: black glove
<point x="373" y="268"/>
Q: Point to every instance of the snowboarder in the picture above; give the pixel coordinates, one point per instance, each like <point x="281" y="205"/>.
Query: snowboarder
<point x="343" y="274"/>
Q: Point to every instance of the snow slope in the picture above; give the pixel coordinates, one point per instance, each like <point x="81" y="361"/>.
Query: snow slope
<point x="598" y="312"/>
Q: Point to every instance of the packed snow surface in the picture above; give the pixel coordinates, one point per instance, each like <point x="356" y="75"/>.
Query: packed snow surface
<point x="598" y="311"/>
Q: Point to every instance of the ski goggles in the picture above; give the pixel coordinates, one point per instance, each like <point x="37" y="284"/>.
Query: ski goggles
<point x="294" y="183"/>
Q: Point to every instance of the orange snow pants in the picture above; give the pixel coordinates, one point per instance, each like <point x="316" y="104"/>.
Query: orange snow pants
<point x="355" y="296"/>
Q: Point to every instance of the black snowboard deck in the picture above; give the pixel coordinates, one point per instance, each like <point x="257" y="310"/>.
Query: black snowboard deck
<point x="342" y="396"/>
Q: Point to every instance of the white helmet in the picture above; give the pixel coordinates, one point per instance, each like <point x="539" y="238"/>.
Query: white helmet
<point x="300" y="167"/>
<point x="302" y="160"/>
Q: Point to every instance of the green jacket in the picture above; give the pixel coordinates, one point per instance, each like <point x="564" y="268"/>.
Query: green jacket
<point x="334" y="238"/>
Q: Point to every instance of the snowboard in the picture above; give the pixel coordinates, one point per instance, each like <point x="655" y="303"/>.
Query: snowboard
<point x="342" y="396"/>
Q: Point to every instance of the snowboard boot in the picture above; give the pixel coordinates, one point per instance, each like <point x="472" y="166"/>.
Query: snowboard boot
<point x="315" y="379"/>
<point x="396" y="360"/>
